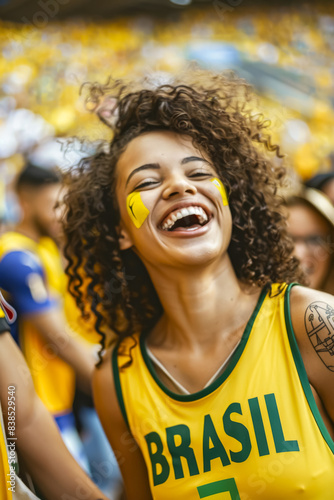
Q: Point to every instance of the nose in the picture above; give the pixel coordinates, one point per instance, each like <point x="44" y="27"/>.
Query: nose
<point x="178" y="185"/>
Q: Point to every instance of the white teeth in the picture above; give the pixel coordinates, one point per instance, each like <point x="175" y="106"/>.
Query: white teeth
<point x="172" y="218"/>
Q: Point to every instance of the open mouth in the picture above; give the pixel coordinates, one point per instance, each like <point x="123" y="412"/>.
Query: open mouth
<point x="189" y="218"/>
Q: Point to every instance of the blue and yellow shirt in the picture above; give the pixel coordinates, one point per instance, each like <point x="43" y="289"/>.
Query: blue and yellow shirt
<point x="33" y="279"/>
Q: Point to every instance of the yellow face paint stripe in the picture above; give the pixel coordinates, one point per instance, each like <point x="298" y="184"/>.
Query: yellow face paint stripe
<point x="221" y="188"/>
<point x="136" y="209"/>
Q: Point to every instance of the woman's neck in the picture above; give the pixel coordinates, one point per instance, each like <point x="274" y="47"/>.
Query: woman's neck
<point x="199" y="303"/>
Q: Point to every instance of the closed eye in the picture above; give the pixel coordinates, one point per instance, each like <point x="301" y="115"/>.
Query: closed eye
<point x="145" y="184"/>
<point x="200" y="174"/>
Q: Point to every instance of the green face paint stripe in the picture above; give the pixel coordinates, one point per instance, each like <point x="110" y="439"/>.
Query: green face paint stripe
<point x="260" y="433"/>
<point x="281" y="444"/>
<point x="136" y="209"/>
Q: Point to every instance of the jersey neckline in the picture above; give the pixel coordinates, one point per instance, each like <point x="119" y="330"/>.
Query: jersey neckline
<point x="223" y="376"/>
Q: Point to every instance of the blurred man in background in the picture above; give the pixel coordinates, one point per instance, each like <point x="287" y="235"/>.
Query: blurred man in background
<point x="31" y="275"/>
<point x="47" y="329"/>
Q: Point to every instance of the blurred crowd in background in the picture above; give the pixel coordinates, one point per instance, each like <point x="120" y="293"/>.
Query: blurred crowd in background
<point x="285" y="52"/>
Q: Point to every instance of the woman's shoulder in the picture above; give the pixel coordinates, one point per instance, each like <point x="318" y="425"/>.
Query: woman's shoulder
<point x="303" y="298"/>
<point x="312" y="316"/>
<point x="104" y="391"/>
<point x="119" y="354"/>
<point x="307" y="306"/>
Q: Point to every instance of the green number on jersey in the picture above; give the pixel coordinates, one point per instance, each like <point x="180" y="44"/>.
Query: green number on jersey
<point x="223" y="486"/>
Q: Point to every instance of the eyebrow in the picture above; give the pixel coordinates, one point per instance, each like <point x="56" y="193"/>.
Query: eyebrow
<point x="193" y="158"/>
<point x="156" y="166"/>
<point x="147" y="166"/>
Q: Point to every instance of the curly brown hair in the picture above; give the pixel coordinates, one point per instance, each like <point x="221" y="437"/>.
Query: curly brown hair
<point x="216" y="112"/>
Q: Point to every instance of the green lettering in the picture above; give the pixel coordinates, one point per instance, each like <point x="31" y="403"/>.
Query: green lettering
<point x="281" y="444"/>
<point x="217" y="449"/>
<point x="181" y="450"/>
<point x="239" y="432"/>
<point x="259" y="430"/>
<point x="157" y="458"/>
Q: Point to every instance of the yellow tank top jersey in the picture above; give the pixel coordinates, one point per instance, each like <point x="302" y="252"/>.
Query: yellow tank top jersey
<point x="54" y="380"/>
<point x="254" y="433"/>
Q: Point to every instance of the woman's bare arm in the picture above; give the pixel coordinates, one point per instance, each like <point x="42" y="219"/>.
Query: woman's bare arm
<point x="126" y="450"/>
<point x="312" y="315"/>
<point x="39" y="443"/>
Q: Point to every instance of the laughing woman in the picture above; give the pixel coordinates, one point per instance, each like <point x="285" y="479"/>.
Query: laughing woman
<point x="217" y="374"/>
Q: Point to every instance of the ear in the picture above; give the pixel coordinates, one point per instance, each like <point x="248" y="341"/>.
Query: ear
<point x="125" y="241"/>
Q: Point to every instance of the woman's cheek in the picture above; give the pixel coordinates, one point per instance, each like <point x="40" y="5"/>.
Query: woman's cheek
<point x="137" y="211"/>
<point x="221" y="188"/>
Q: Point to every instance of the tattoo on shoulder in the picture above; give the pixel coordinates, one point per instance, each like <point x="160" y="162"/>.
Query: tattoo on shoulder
<point x="319" y="324"/>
